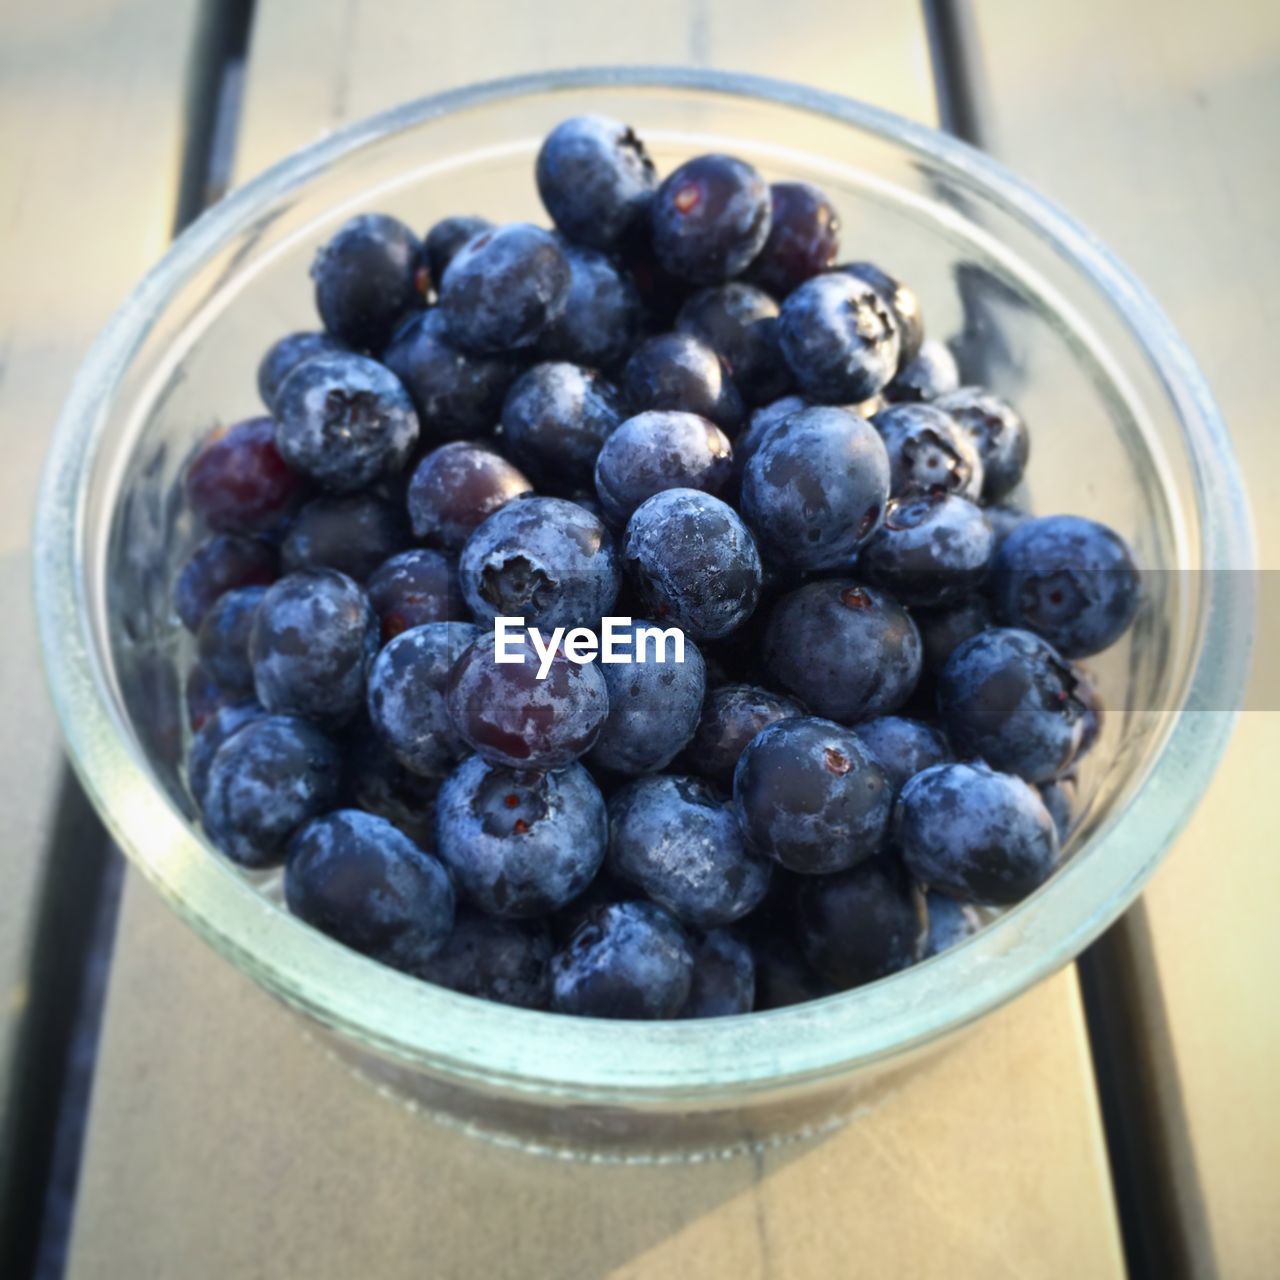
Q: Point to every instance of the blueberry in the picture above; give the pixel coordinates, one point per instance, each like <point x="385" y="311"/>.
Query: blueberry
<point x="950" y="922"/>
<point x="513" y="718"/>
<point x="603" y="891"/>
<point x="998" y="432"/>
<point x="285" y="355"/>
<point x="413" y="588"/>
<point x="693" y="562"/>
<point x="678" y="841"/>
<point x="507" y="961"/>
<point x="455" y="393"/>
<point x="942" y="631"/>
<point x="314" y="637"/>
<point x="223" y="639"/>
<point x="783" y="975"/>
<point x="377" y="783"/>
<point x="975" y="834"/>
<point x="629" y="960"/>
<point x="237" y="482"/>
<point x="444" y="240"/>
<point x="368" y="278"/>
<point x="1004" y="519"/>
<point x="811" y="796"/>
<point x="740" y="324"/>
<point x="503" y="288"/>
<point x="554" y="421"/>
<point x="657" y="450"/>
<point x="602" y="314"/>
<point x="679" y="371"/>
<point x="216" y="729"/>
<point x="932" y="549"/>
<point x="357" y="878"/>
<point x="724" y="976"/>
<point x="203" y="697"/>
<point x="816" y="487"/>
<point x="762" y="420"/>
<point x="345" y="421"/>
<point x="928" y="452"/>
<point x="710" y="219"/>
<point x="353" y="534"/>
<point x="731" y="716"/>
<point x="804" y="238"/>
<point x="1059" y="798"/>
<point x="903" y="303"/>
<point x="1007" y="696"/>
<point x="265" y="780"/>
<point x="596" y="180"/>
<point x="903" y="747"/>
<point x="457" y="487"/>
<point x="520" y="843"/>
<point x="1068" y="579"/>
<point x="860" y="924"/>
<point x="847" y="651"/>
<point x="653" y="704"/>
<point x="933" y="373"/>
<point x="545" y="560"/>
<point x="215" y="567"/>
<point x="840" y="338"/>
<point x="407" y="684"/>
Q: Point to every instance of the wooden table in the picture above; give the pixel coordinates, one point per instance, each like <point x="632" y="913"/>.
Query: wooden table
<point x="223" y="1143"/>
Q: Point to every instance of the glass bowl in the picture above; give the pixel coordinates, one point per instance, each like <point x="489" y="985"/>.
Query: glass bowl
<point x="1124" y="430"/>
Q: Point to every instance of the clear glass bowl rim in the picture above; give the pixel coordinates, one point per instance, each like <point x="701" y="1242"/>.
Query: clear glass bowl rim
<point x="588" y="1060"/>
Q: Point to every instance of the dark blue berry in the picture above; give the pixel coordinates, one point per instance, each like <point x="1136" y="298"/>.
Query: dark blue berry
<point x="554" y="421"/>
<point x="444" y="240"/>
<point x="413" y="588"/>
<point x="602" y="314"/>
<point x="457" y="487"/>
<point x="507" y="961"/>
<point x="514" y="718"/>
<point x="860" y="924"/>
<point x="629" y="960"/>
<point x="724" y="976"/>
<point x="711" y="217"/>
<point x="345" y="421"/>
<point x="237" y="482"/>
<point x="377" y="783"/>
<point x="407" y="685"/>
<point x="1004" y="519"/>
<point x="216" y="729"/>
<point x="679" y="371"/>
<point x="804" y="238"/>
<point x="928" y="452"/>
<point x="366" y="884"/>
<point x="223" y="639"/>
<point x="846" y="651"/>
<point x="653" y="704"/>
<point x="731" y="716"/>
<point x="678" y="841"/>
<point x="740" y="324"/>
<point x="596" y="180"/>
<point x="353" y="534"/>
<point x="693" y="562"/>
<point x="368" y="278"/>
<point x="998" y="432"/>
<point x="904" y="747"/>
<point x="783" y="975"/>
<point x="815" y="489"/>
<point x="203" y="697"/>
<point x="840" y="338"/>
<point x="657" y="450"/>
<point x="216" y="566"/>
<point x="268" y="778"/>
<point x="503" y="288"/>
<point x="933" y="373"/>
<point x="520" y="843"/>
<point x="975" y="834"/>
<point x="314" y="637"/>
<point x="545" y="560"/>
<point x="1008" y="697"/>
<point x="455" y="393"/>
<point x="285" y="355"/>
<point x="811" y="796"/>
<point x="761" y="421"/>
<point x="932" y="549"/>
<point x="1068" y="579"/>
<point x="903" y="303"/>
<point x="950" y="922"/>
<point x="942" y="631"/>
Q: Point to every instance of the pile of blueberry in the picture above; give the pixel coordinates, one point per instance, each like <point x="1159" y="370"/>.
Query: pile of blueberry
<point x="674" y="407"/>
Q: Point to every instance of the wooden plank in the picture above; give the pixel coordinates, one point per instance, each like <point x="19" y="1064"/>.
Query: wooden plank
<point x="1156" y="123"/>
<point x="91" y="131"/>
<point x="990" y="1162"/>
